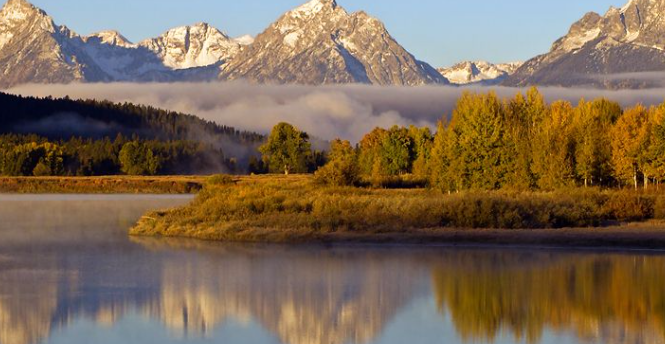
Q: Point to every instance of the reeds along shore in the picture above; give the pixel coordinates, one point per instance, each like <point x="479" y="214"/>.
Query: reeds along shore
<point x="297" y="208"/>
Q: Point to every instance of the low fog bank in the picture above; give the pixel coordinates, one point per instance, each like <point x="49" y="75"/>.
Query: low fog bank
<point x="327" y="112"/>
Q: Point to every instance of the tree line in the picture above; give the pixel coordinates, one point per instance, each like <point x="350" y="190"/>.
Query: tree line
<point x="32" y="155"/>
<point x="62" y="119"/>
<point x="490" y="143"/>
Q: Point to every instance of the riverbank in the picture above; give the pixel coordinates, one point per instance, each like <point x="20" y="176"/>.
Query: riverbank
<point x="649" y="236"/>
<point x="294" y="209"/>
<point x="102" y="185"/>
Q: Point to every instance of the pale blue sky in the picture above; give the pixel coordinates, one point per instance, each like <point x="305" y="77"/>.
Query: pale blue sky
<point x="440" y="32"/>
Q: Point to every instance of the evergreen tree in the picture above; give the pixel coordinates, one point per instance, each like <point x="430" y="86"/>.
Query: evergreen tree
<point x="137" y="159"/>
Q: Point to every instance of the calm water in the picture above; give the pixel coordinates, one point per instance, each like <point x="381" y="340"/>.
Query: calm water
<point x="69" y="274"/>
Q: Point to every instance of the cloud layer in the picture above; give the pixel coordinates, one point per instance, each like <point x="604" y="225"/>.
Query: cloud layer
<point x="327" y="112"/>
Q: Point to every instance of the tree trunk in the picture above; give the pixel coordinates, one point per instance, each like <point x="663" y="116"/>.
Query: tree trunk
<point x="586" y="183"/>
<point x="635" y="180"/>
<point x="646" y="182"/>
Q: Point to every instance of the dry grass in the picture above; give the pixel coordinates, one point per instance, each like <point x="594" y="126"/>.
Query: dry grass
<point x="102" y="185"/>
<point x="296" y="209"/>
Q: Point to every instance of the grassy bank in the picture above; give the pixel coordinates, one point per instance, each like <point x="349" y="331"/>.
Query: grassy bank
<point x="296" y="209"/>
<point x="102" y="185"/>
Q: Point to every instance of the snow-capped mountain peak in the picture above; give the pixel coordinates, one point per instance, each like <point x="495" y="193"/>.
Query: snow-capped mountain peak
<point x="469" y="72"/>
<point x="320" y="43"/>
<point x="600" y="50"/>
<point x="192" y="46"/>
<point x="244" y="40"/>
<point x="314" y="7"/>
<point x="316" y="43"/>
<point x="17" y="13"/>
<point x="18" y="9"/>
<point x="111" y="37"/>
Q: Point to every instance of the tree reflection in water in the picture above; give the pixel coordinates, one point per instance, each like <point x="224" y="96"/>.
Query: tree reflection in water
<point x="609" y="298"/>
<point x="67" y="260"/>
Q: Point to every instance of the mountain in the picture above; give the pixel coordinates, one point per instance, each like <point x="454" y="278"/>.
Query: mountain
<point x="34" y="49"/>
<point x="317" y="43"/>
<point x="193" y="46"/>
<point x="478" y="72"/>
<point x="320" y="43"/>
<point x="617" y="50"/>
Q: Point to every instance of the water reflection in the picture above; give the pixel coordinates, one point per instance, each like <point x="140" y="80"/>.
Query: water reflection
<point x="606" y="298"/>
<point x="68" y="271"/>
<point x="303" y="296"/>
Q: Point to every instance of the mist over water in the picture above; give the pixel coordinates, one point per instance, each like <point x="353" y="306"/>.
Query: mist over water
<point x="327" y="112"/>
<point x="70" y="274"/>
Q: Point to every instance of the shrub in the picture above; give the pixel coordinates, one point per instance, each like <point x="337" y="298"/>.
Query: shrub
<point x="220" y="179"/>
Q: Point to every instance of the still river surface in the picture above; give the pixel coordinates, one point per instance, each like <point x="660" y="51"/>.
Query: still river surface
<point x="70" y="274"/>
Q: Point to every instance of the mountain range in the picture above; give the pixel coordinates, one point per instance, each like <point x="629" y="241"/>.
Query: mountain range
<point x="625" y="48"/>
<point x="479" y="72"/>
<point x="321" y="43"/>
<point x="316" y="43"/>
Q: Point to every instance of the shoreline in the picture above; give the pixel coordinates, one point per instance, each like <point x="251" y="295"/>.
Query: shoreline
<point x="630" y="236"/>
<point x="296" y="210"/>
<point x="102" y="185"/>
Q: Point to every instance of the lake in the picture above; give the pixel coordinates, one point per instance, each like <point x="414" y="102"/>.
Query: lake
<point x="70" y="274"/>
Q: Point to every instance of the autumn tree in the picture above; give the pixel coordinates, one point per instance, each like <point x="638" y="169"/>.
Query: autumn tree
<point x="483" y="151"/>
<point x="287" y="150"/>
<point x="628" y="137"/>
<point x="370" y="147"/>
<point x="444" y="175"/>
<point x="593" y="152"/>
<point x="397" y="151"/>
<point x="423" y="140"/>
<point x="525" y="114"/>
<point x="342" y="168"/>
<point x="554" y="148"/>
<point x="652" y="161"/>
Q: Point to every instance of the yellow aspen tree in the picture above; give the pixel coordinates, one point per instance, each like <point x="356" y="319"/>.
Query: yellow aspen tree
<point x="628" y="135"/>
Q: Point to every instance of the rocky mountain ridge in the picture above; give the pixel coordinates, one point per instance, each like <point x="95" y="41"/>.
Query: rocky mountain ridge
<point x="316" y="43"/>
<point x="478" y="72"/>
<point x="621" y="49"/>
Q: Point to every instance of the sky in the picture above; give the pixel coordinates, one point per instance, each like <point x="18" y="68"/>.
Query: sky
<point x="440" y="32"/>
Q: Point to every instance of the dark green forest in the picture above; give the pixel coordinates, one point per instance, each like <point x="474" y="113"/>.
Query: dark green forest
<point x="46" y="136"/>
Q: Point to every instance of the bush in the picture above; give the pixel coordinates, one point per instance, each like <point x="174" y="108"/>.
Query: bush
<point x="628" y="206"/>
<point x="220" y="179"/>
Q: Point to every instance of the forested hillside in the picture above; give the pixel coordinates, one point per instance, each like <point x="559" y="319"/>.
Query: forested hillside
<point x="86" y="137"/>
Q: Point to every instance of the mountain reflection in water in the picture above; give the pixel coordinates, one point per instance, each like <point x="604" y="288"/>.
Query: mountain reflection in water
<point x="67" y="267"/>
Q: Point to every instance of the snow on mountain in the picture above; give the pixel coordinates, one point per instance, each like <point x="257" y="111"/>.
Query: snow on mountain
<point x="244" y="40"/>
<point x="471" y="72"/>
<point x="34" y="49"/>
<point x="603" y="51"/>
<point x="199" y="45"/>
<point x="320" y="43"/>
<point x="110" y="37"/>
<point x="316" y="43"/>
